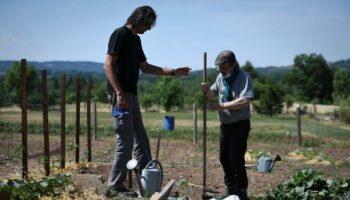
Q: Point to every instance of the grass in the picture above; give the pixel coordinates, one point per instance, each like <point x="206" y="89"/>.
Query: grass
<point x="277" y="129"/>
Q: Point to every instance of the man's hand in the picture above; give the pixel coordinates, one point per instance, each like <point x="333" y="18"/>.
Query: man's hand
<point x="215" y="106"/>
<point x="121" y="101"/>
<point x="182" y="71"/>
<point x="204" y="87"/>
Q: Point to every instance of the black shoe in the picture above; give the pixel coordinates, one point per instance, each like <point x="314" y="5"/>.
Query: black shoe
<point x="120" y="192"/>
<point x="242" y="195"/>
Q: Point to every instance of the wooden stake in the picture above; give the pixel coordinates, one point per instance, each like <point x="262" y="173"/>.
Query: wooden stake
<point x="45" y="124"/>
<point x="77" y="120"/>
<point x="88" y="120"/>
<point x="204" y="126"/>
<point x="63" y="120"/>
<point x="24" y="119"/>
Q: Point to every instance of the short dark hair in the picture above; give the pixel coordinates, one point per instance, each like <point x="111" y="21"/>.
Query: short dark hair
<point x="142" y="15"/>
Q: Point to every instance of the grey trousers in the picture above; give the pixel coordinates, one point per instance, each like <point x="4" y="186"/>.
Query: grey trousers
<point x="131" y="140"/>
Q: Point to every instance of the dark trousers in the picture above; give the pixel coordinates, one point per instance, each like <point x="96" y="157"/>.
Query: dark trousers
<point x="233" y="145"/>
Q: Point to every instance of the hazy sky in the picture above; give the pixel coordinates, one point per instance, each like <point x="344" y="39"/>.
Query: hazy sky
<point x="265" y="32"/>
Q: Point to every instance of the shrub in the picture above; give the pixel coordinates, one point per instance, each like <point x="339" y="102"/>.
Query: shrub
<point x="309" y="184"/>
<point x="344" y="112"/>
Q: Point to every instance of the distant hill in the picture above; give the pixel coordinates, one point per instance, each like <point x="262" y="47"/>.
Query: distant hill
<point x="59" y="66"/>
<point x="273" y="71"/>
<point x="95" y="67"/>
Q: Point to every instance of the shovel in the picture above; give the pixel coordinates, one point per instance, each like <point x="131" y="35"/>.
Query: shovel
<point x="132" y="165"/>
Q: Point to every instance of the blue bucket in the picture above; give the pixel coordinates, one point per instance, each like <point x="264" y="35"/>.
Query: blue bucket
<point x="169" y="123"/>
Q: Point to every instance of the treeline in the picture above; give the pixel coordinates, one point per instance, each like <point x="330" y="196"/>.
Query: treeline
<point x="311" y="79"/>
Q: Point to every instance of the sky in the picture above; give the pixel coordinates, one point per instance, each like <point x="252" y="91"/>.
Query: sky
<point x="264" y="32"/>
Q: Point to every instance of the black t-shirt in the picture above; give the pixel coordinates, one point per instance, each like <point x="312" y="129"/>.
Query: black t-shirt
<point x="128" y="48"/>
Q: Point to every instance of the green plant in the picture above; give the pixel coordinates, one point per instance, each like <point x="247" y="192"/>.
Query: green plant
<point x="183" y="184"/>
<point x="32" y="189"/>
<point x="309" y="185"/>
<point x="310" y="154"/>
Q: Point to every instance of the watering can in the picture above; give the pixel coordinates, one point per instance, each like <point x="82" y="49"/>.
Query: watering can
<point x="151" y="178"/>
<point x="265" y="162"/>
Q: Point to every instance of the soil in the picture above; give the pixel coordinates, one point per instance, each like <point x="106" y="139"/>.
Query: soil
<point x="181" y="160"/>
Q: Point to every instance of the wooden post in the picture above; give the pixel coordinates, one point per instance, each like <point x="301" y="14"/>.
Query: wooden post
<point x="24" y="119"/>
<point x="63" y="120"/>
<point x="95" y="121"/>
<point x="299" y="126"/>
<point x="77" y="120"/>
<point x="204" y="126"/>
<point x="194" y="123"/>
<point x="45" y="124"/>
<point x="88" y="120"/>
<point x="130" y="178"/>
<point x="158" y="146"/>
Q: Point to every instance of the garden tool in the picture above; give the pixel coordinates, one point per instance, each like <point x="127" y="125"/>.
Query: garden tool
<point x="152" y="178"/>
<point x="132" y="165"/>
<point x="265" y="163"/>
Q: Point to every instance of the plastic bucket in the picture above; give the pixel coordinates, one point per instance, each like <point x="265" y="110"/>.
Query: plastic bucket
<point x="169" y="123"/>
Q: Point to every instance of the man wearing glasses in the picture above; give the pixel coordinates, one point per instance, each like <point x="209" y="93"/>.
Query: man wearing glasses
<point x="235" y="91"/>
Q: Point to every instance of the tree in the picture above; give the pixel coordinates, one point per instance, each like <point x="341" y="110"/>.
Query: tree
<point x="147" y="101"/>
<point x="249" y="68"/>
<point x="311" y="78"/>
<point x="170" y="93"/>
<point x="341" y="85"/>
<point x="13" y="82"/>
<point x="288" y="100"/>
<point x="270" y="101"/>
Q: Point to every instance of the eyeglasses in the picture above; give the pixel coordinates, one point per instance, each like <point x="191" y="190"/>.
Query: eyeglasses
<point x="222" y="66"/>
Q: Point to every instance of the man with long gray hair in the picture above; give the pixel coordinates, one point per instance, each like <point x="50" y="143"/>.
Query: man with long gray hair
<point x="124" y="59"/>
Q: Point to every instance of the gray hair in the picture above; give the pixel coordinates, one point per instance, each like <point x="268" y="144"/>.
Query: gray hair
<point x="142" y="15"/>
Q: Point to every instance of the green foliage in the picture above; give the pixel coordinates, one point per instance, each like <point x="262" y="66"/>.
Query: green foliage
<point x="99" y="91"/>
<point x="288" y="100"/>
<point x="311" y="78"/>
<point x="343" y="113"/>
<point x="308" y="185"/>
<point x="147" y="100"/>
<point x="31" y="189"/>
<point x="270" y="101"/>
<point x="170" y="93"/>
<point x="249" y="68"/>
<point x="310" y="154"/>
<point x="13" y="83"/>
<point x="341" y="82"/>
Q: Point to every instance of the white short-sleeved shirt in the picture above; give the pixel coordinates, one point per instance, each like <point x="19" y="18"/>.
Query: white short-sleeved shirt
<point x="242" y="87"/>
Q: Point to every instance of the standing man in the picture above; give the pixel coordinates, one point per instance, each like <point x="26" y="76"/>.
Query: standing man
<point x="234" y="89"/>
<point x="124" y="59"/>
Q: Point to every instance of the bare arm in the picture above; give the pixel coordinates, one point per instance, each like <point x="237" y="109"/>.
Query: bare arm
<point x="113" y="80"/>
<point x="152" y="69"/>
<point x="110" y="74"/>
<point x="236" y="104"/>
<point x="231" y="105"/>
